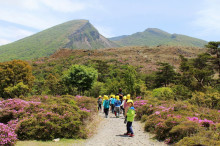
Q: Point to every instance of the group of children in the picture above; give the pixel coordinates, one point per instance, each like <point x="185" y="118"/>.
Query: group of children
<point x="118" y="106"/>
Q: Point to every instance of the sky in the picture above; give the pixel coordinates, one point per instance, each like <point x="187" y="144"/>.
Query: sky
<point x="195" y="18"/>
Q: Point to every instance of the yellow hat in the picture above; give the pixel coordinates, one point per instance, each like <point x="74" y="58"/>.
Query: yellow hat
<point x="113" y="96"/>
<point x="117" y="97"/>
<point x="105" y="97"/>
<point x="100" y="96"/>
<point x="128" y="96"/>
<point x="124" y="97"/>
<point x="130" y="101"/>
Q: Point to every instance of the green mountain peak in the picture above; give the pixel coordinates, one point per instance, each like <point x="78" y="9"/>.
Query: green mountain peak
<point x="75" y="34"/>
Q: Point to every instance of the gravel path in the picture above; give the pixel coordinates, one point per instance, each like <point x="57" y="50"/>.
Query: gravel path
<point x="110" y="133"/>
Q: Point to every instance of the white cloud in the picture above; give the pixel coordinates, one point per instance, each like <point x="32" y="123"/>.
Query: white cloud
<point x="208" y="19"/>
<point x="105" y="31"/>
<point x="4" y="42"/>
<point x="9" y="34"/>
<point x="65" y="5"/>
<point x="42" y="14"/>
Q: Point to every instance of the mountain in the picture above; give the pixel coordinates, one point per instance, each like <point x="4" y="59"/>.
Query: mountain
<point x="155" y="37"/>
<point x="76" y="34"/>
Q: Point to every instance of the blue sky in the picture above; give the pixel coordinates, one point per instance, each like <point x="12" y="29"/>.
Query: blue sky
<point x="196" y="18"/>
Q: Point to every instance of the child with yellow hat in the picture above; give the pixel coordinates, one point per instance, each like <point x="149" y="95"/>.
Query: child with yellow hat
<point x="126" y="107"/>
<point x="117" y="106"/>
<point x="99" y="103"/>
<point x="130" y="118"/>
<point x="106" y="105"/>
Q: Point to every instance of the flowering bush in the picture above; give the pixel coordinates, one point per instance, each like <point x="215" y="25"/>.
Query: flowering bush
<point x="172" y="121"/>
<point x="139" y="103"/>
<point x="47" y="117"/>
<point x="7" y="135"/>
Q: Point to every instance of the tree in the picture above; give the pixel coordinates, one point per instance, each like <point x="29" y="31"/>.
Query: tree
<point x="130" y="79"/>
<point x="214" y="49"/>
<point x="202" y="69"/>
<point x="80" y="77"/>
<point x="52" y="84"/>
<point x="165" y="75"/>
<point x="16" y="78"/>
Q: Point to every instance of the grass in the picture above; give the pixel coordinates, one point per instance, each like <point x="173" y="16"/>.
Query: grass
<point x="62" y="142"/>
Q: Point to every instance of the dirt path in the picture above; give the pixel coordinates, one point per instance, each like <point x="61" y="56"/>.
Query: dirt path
<point x="110" y="132"/>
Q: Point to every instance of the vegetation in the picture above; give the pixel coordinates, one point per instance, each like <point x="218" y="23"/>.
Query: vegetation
<point x="154" y="37"/>
<point x="76" y="34"/>
<point x="179" y="105"/>
<point x="16" y="79"/>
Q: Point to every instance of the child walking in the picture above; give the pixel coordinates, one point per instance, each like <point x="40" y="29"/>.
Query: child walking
<point x="117" y="106"/>
<point x="130" y="118"/>
<point x="113" y="103"/>
<point x="106" y="106"/>
<point x="126" y="107"/>
<point x="100" y="103"/>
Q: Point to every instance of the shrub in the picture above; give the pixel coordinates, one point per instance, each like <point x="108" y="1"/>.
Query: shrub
<point x="184" y="129"/>
<point x="210" y="100"/>
<point x="181" y="92"/>
<point x="164" y="93"/>
<point x="48" y="117"/>
<point x="7" y="135"/>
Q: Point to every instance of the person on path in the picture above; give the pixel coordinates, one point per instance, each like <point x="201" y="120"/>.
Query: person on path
<point x="106" y="106"/>
<point x="113" y="103"/>
<point x="99" y="103"/>
<point x="120" y="94"/>
<point x="130" y="118"/>
<point x="122" y="105"/>
<point x="126" y="107"/>
<point x="117" y="106"/>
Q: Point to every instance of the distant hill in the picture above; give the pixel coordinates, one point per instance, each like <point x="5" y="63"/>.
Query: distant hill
<point x="145" y="58"/>
<point x="155" y="37"/>
<point x="76" y="34"/>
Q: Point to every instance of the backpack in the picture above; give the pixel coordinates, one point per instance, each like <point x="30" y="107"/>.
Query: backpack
<point x="106" y="104"/>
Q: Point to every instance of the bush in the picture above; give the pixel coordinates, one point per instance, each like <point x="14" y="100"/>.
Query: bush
<point x="210" y="100"/>
<point x="48" y="117"/>
<point x="181" y="92"/>
<point x="7" y="135"/>
<point x="184" y="129"/>
<point x="174" y="120"/>
<point x="164" y="93"/>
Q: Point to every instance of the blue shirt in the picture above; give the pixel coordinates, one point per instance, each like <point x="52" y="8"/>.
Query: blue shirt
<point x="106" y="104"/>
<point x="117" y="103"/>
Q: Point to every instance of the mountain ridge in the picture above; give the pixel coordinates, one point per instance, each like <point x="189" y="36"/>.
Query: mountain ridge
<point x="155" y="36"/>
<point x="75" y="34"/>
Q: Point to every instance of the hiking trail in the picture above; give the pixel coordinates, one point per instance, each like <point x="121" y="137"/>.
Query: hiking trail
<point x="111" y="132"/>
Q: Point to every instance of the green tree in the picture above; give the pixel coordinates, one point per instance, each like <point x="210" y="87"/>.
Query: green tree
<point x="80" y="77"/>
<point x="52" y="84"/>
<point x="165" y="75"/>
<point x="130" y="79"/>
<point x="202" y="69"/>
<point x="214" y="49"/>
<point x="16" y="78"/>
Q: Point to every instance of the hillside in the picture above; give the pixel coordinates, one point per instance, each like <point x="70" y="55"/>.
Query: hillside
<point x="76" y="34"/>
<point x="145" y="58"/>
<point x="155" y="37"/>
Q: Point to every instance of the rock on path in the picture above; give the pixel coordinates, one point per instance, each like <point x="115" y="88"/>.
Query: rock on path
<point x="110" y="133"/>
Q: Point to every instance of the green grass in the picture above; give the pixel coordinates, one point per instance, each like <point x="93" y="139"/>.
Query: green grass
<point x="62" y="142"/>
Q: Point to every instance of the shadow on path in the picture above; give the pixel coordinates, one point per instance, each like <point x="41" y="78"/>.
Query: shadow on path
<point x="122" y="135"/>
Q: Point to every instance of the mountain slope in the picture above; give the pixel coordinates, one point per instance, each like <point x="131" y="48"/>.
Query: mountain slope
<point x="76" y="34"/>
<point x="154" y="37"/>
